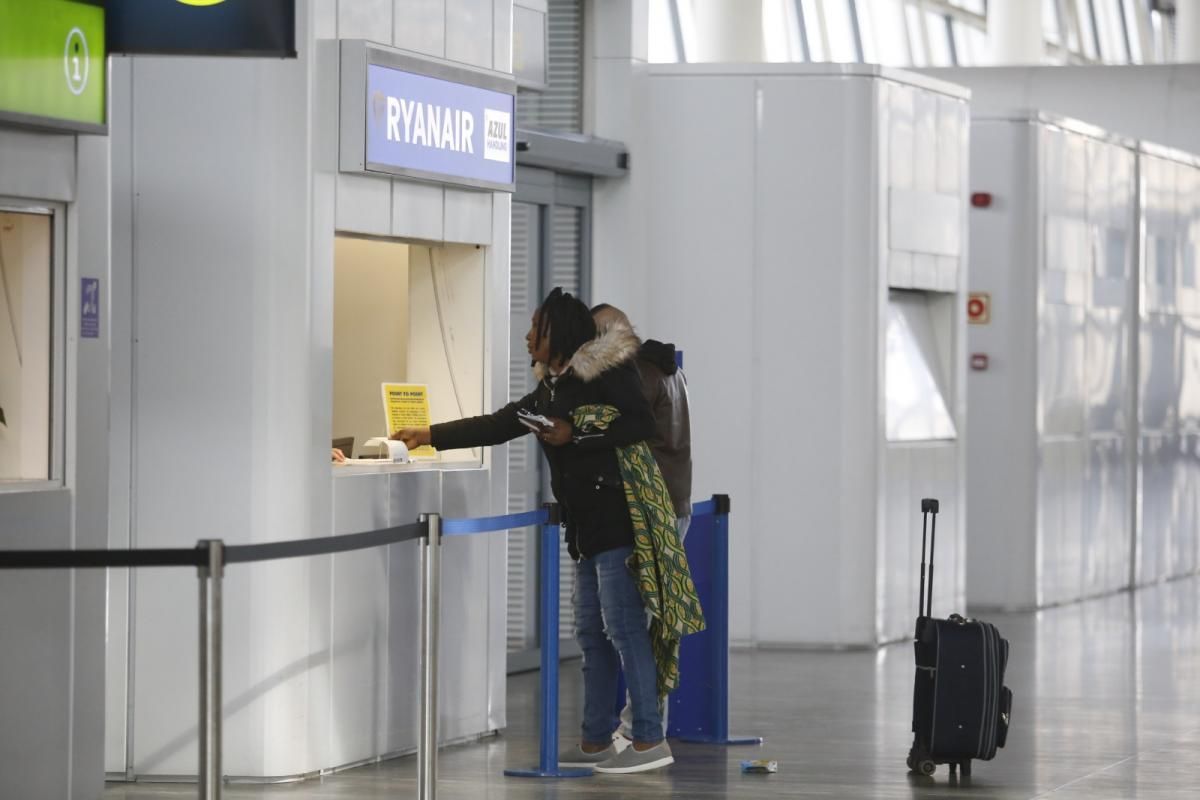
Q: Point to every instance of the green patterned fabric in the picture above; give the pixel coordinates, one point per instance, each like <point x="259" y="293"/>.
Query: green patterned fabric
<point x="658" y="563"/>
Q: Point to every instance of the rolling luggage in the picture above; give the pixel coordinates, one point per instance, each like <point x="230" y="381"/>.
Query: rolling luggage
<point x="961" y="706"/>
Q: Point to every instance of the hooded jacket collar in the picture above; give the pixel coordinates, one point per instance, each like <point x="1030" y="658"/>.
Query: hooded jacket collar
<point x="610" y="349"/>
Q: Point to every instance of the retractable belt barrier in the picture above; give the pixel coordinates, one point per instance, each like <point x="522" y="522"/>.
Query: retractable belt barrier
<point x="209" y="558"/>
<point x="704" y="663"/>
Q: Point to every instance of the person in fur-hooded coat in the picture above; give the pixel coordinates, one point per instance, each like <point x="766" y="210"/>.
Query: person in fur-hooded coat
<point x="582" y="369"/>
<point x="577" y="369"/>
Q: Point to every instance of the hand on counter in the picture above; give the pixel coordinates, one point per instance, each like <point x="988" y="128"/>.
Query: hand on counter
<point x="413" y="437"/>
<point x="338" y="455"/>
<point x="558" y="435"/>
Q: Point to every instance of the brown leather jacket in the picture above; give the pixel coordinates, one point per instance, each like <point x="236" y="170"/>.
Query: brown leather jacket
<point x="666" y="390"/>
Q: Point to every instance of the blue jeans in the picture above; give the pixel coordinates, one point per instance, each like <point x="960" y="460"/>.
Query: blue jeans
<point x="610" y="626"/>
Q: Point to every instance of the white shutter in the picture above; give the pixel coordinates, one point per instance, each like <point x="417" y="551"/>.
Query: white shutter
<point x="560" y="106"/>
<point x="521" y="628"/>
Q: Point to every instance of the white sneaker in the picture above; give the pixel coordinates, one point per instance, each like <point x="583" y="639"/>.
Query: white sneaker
<point x="633" y="760"/>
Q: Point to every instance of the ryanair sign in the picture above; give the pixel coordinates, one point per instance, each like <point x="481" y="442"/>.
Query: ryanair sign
<point x="427" y="120"/>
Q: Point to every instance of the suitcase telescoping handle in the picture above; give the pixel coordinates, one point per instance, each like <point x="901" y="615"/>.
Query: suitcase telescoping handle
<point x="929" y="507"/>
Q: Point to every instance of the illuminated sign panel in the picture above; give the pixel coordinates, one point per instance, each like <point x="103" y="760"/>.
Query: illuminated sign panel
<point x="425" y="119"/>
<point x="52" y="65"/>
<point x="203" y="27"/>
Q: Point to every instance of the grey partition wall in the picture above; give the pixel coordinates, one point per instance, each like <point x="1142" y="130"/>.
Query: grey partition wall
<point x="229" y="204"/>
<point x="1051" y="450"/>
<point x="1168" y="517"/>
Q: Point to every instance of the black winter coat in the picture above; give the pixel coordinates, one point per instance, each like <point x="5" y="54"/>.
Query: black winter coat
<point x="584" y="474"/>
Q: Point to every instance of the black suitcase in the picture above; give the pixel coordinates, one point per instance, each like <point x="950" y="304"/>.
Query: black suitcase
<point x="961" y="706"/>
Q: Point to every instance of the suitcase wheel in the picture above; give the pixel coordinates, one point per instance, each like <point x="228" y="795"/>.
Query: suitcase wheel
<point x="926" y="767"/>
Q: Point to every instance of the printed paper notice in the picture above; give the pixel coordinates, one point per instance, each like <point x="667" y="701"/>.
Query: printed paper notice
<point x="406" y="405"/>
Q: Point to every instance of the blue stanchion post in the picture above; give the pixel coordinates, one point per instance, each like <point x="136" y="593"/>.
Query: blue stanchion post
<point x="711" y="569"/>
<point x="548" y="624"/>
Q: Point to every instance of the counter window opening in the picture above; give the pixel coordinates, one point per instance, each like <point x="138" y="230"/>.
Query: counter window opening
<point x="405" y="313"/>
<point x="918" y="363"/>
<point x="30" y="350"/>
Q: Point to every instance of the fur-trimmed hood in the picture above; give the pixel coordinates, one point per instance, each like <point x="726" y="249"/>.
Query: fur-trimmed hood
<point x="610" y="349"/>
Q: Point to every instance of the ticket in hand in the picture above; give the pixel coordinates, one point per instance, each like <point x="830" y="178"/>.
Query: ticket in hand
<point x="533" y="421"/>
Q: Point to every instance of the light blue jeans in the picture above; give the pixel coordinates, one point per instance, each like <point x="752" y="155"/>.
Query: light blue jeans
<point x="610" y="626"/>
<point x="682" y="524"/>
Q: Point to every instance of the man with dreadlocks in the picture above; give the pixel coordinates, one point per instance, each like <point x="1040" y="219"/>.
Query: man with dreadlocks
<point x="590" y="390"/>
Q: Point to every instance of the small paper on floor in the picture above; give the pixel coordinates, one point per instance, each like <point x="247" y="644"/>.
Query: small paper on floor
<point x="760" y="766"/>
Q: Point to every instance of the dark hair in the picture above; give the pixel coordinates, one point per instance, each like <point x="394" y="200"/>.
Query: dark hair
<point x="568" y="322"/>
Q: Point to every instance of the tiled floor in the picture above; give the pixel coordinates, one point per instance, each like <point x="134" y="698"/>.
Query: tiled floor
<point x="1107" y="706"/>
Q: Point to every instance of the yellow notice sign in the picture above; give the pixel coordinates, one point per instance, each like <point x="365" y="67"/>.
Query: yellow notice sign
<point x="407" y="406"/>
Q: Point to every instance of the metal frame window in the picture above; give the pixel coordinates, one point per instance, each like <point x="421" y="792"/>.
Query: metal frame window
<point x="931" y="32"/>
<point x="55" y="316"/>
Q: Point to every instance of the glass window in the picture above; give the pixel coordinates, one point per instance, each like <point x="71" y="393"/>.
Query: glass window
<point x="882" y="25"/>
<point x="814" y="29"/>
<point x="26" y="346"/>
<point x="782" y="31"/>
<point x="970" y="44"/>
<point x="408" y="314"/>
<point x="937" y="29"/>
<point x="1051" y="28"/>
<point x="916" y="36"/>
<point x="662" y="33"/>
<point x="1163" y="50"/>
<point x="975" y="6"/>
<point x="1132" y="30"/>
<point x="839" y="27"/>
<point x="1110" y="31"/>
<point x="1087" y="31"/>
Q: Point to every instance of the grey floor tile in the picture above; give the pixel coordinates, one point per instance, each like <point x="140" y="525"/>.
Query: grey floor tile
<point x="1107" y="706"/>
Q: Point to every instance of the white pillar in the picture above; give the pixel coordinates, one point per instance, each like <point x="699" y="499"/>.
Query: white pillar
<point x="616" y="54"/>
<point x="728" y="30"/>
<point x="1015" y="32"/>
<point x="1187" y="31"/>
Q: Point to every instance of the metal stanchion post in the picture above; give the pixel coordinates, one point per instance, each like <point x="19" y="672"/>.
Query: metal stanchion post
<point x="210" y="669"/>
<point x="427" y="753"/>
<point x="718" y="624"/>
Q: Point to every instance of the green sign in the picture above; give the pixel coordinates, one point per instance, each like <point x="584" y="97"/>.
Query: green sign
<point x="52" y="64"/>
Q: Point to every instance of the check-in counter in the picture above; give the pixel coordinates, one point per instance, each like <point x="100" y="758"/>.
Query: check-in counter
<point x="275" y="279"/>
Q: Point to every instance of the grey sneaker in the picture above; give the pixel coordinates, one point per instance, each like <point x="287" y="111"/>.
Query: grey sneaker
<point x="574" y="756"/>
<point x="633" y="760"/>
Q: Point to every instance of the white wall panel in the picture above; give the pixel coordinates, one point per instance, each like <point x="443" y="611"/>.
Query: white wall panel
<point x="232" y="257"/>
<point x="718" y="372"/>
<point x="365" y="19"/>
<point x="420" y="26"/>
<point x="826" y="565"/>
<point x="364" y="205"/>
<point x="801" y="319"/>
<point x="1078" y="184"/>
<point x="469" y="32"/>
<point x="37" y="165"/>
<point x="925" y="222"/>
<point x="1002" y="436"/>
<point x="418" y="211"/>
<point x="468" y="216"/>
